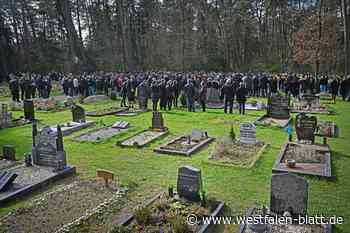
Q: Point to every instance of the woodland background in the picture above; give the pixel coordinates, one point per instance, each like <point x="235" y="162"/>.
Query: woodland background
<point x="178" y="35"/>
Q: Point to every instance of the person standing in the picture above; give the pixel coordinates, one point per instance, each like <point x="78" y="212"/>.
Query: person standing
<point x="14" y="88"/>
<point x="227" y="94"/>
<point x="142" y="94"/>
<point x="241" y="96"/>
<point x="190" y="93"/>
<point x="155" y="93"/>
<point x="334" y="87"/>
<point x="203" y="94"/>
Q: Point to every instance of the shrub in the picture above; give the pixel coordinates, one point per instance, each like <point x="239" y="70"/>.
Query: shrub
<point x="143" y="216"/>
<point x="180" y="225"/>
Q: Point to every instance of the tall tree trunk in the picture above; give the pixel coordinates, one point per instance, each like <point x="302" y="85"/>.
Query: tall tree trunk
<point x="346" y="23"/>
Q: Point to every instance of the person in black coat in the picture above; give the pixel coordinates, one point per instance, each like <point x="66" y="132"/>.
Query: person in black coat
<point x="344" y="88"/>
<point x="14" y="88"/>
<point x="190" y="93"/>
<point x="228" y="93"/>
<point x="155" y="94"/>
<point x="123" y="93"/>
<point x="334" y="87"/>
<point x="241" y="97"/>
<point x="203" y="94"/>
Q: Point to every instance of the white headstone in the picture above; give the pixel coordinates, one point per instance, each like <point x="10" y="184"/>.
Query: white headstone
<point x="247" y="133"/>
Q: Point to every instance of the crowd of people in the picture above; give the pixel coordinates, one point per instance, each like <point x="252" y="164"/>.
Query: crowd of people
<point x="168" y="89"/>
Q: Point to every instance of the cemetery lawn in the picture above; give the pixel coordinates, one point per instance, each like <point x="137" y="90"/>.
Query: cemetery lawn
<point x="147" y="173"/>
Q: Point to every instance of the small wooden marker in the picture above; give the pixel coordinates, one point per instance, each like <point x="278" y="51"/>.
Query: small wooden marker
<point x="106" y="175"/>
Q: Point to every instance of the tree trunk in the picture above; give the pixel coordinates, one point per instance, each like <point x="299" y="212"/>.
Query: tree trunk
<point x="346" y="37"/>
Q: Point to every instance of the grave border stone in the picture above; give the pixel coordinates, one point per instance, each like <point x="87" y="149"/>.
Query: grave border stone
<point x="161" y="135"/>
<point x="327" y="172"/>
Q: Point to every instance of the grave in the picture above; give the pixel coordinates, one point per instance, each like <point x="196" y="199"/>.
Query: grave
<point x="243" y="152"/>
<point x="29" y="113"/>
<point x="47" y="105"/>
<point x="105" y="112"/>
<point x="289" y="198"/>
<point x="5" y="117"/>
<point x="189" y="196"/>
<point x="305" y="127"/>
<point x="304" y="159"/>
<point x="254" y="106"/>
<point x="327" y="129"/>
<point x="6" y="179"/>
<point x="278" y="113"/>
<point x="145" y="137"/>
<point x="131" y="112"/>
<point x="186" y="145"/>
<point x="9" y="153"/>
<point x="79" y="122"/>
<point x="48" y="164"/>
<point x="309" y="103"/>
<point x="94" y="99"/>
<point x="104" y="133"/>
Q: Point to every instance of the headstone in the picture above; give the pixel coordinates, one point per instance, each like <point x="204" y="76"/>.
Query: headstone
<point x="247" y="133"/>
<point x="48" y="149"/>
<point x="310" y="99"/>
<point x="28" y="107"/>
<point x="157" y="121"/>
<point x="5" y="116"/>
<point x="78" y="114"/>
<point x="305" y="127"/>
<point x="197" y="135"/>
<point x="289" y="192"/>
<point x="94" y="99"/>
<point x="121" y="125"/>
<point x="278" y="107"/>
<point x="28" y="160"/>
<point x="106" y="175"/>
<point x="328" y="129"/>
<point x="189" y="183"/>
<point x="9" y="152"/>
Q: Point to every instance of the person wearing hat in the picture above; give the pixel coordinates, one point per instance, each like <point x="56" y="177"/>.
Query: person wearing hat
<point x="241" y="97"/>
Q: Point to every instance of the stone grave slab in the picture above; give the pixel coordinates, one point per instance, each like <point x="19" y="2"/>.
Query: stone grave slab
<point x="95" y="99"/>
<point x="130" y="112"/>
<point x="185" y="145"/>
<point x="105" y="112"/>
<point x="142" y="138"/>
<point x="99" y="135"/>
<point x="30" y="179"/>
<point x="6" y="179"/>
<point x="72" y="127"/>
<point x="121" y="125"/>
<point x="309" y="159"/>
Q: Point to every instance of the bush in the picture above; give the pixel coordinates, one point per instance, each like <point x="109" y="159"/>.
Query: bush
<point x="180" y="225"/>
<point x="143" y="216"/>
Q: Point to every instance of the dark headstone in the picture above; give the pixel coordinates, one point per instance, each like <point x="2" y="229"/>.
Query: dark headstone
<point x="289" y="193"/>
<point x="28" y="160"/>
<point x="48" y="149"/>
<point x="28" y="107"/>
<point x="189" y="183"/>
<point x="305" y="127"/>
<point x="278" y="107"/>
<point x="310" y="99"/>
<point x="158" y="121"/>
<point x="5" y="116"/>
<point x="9" y="152"/>
<point x="78" y="114"/>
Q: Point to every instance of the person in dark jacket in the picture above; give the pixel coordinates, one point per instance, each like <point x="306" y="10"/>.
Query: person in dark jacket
<point x="130" y="93"/>
<point x="190" y="93"/>
<point x="345" y="88"/>
<point x="14" y="88"/>
<point x="123" y="93"/>
<point x="228" y="93"/>
<point x="142" y="94"/>
<point x="155" y="94"/>
<point x="241" y="97"/>
<point x="169" y="88"/>
<point x="203" y="94"/>
<point x="334" y="87"/>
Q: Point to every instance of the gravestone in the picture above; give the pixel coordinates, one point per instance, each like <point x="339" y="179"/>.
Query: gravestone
<point x="28" y="106"/>
<point x="78" y="114"/>
<point x="5" y="116"/>
<point x="328" y="129"/>
<point x="198" y="135"/>
<point x="48" y="149"/>
<point x="158" y="121"/>
<point x="278" y="107"/>
<point x="9" y="152"/>
<point x="289" y="192"/>
<point x="305" y="127"/>
<point x="311" y="100"/>
<point x="247" y="133"/>
<point x="121" y="125"/>
<point x="189" y="183"/>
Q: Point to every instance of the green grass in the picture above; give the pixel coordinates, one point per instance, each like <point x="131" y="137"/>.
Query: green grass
<point x="239" y="187"/>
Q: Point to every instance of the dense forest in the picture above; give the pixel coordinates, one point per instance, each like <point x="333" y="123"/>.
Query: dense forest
<point x="179" y="35"/>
